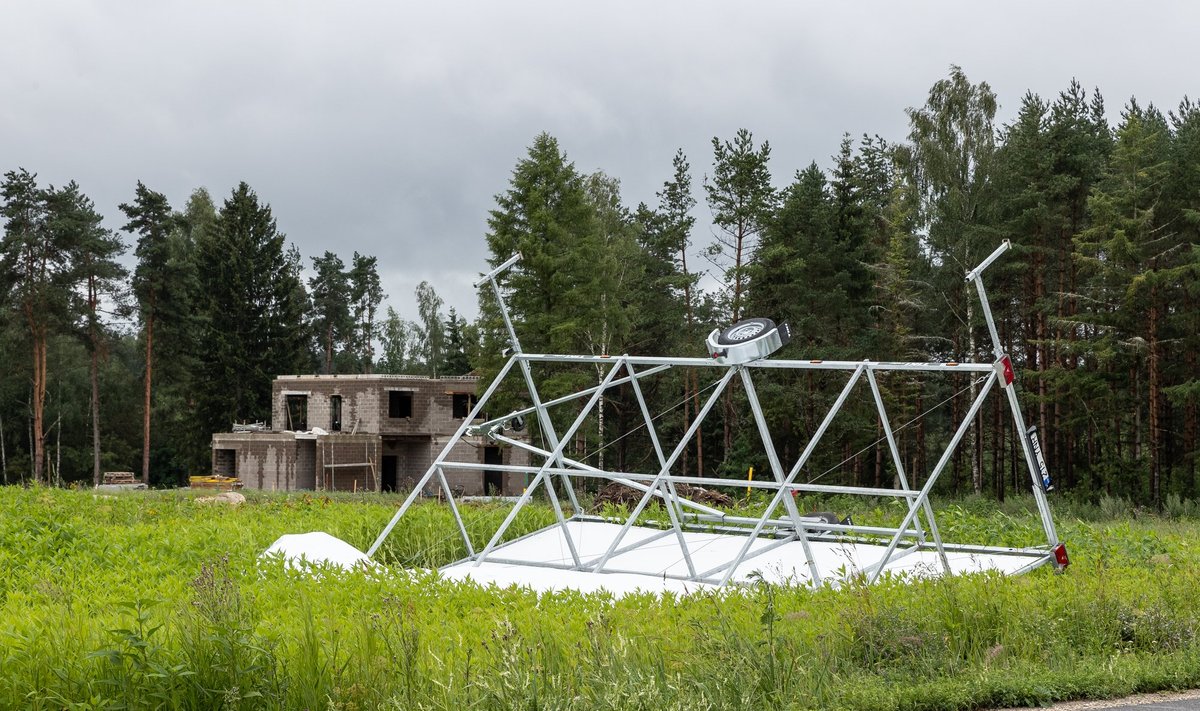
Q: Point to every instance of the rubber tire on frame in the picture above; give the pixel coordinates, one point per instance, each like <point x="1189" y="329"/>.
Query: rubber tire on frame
<point x="725" y="338"/>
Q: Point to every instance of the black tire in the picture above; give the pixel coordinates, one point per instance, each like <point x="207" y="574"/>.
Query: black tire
<point x="744" y="330"/>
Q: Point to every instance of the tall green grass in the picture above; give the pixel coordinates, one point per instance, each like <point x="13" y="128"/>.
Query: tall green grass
<point x="154" y="601"/>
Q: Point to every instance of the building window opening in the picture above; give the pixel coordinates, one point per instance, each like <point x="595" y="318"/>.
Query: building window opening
<point x="462" y="404"/>
<point x="399" y="404"/>
<point x="225" y="462"/>
<point x="335" y="413"/>
<point x="493" y="480"/>
<point x="297" y="412"/>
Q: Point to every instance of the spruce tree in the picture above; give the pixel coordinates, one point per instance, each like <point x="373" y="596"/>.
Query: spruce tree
<point x="455" y="356"/>
<point x="544" y="215"/>
<point x="366" y="293"/>
<point x="253" y="305"/>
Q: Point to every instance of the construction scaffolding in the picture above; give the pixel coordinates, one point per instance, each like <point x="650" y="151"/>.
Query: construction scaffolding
<point x="328" y="446"/>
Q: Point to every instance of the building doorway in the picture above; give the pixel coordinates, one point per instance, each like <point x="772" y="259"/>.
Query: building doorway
<point x="388" y="479"/>
<point x="493" y="481"/>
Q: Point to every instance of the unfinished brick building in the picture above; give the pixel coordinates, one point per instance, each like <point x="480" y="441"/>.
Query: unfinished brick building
<point x="364" y="432"/>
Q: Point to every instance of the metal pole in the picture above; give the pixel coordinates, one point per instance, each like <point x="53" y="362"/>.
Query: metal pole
<point x="789" y="502"/>
<point x="543" y="471"/>
<point x="1039" y="494"/>
<point x="543" y="416"/>
<point x="669" y="496"/>
<point x="568" y="398"/>
<point x="462" y="528"/>
<point x="937" y="470"/>
<point x="808" y="450"/>
<point x="496" y="272"/>
<point x="899" y="463"/>
<point x="987" y="261"/>
<point x="441" y="457"/>
<point x="670" y="462"/>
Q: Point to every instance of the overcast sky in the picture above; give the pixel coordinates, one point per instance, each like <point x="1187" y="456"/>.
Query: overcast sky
<point x="388" y="127"/>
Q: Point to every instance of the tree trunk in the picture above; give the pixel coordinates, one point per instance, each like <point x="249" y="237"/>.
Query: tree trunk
<point x="956" y="458"/>
<point x="370" y="330"/>
<point x="920" y="453"/>
<point x="691" y="379"/>
<point x="1155" y="392"/>
<point x="93" y="298"/>
<point x="973" y="438"/>
<point x="3" y="454"/>
<point x="699" y="435"/>
<point x="1041" y="350"/>
<point x="39" y="404"/>
<point x="95" y="419"/>
<point x="58" y="449"/>
<point x="879" y="435"/>
<point x="329" y="348"/>
<point x="1190" y="428"/>
<point x="1137" y="413"/>
<point x="730" y="416"/>
<point x="687" y="420"/>
<point x="146" y="396"/>
<point x="998" y="448"/>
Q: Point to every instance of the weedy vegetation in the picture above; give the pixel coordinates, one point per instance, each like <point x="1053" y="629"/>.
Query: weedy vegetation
<point x="152" y="601"/>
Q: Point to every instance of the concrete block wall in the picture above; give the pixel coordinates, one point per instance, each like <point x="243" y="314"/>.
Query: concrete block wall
<point x="365" y="400"/>
<point x="270" y="461"/>
<point x="360" y="401"/>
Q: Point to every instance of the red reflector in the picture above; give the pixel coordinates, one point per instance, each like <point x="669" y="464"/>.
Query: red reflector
<point x="1060" y="555"/>
<point x="1006" y="362"/>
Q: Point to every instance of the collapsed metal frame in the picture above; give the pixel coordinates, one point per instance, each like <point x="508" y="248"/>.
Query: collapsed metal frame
<point x="686" y="515"/>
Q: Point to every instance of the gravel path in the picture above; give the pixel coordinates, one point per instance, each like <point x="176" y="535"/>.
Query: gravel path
<point x="1182" y="701"/>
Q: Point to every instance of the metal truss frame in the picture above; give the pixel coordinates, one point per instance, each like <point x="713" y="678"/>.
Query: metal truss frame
<point x="917" y="532"/>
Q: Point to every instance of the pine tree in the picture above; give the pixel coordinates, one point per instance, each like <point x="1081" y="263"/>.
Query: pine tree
<point x="331" y="294"/>
<point x="97" y="274"/>
<point x="742" y="200"/>
<point x="36" y="276"/>
<point x="151" y="219"/>
<point x="1128" y="253"/>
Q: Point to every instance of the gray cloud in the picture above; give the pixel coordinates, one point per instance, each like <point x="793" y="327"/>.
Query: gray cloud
<point x="387" y="128"/>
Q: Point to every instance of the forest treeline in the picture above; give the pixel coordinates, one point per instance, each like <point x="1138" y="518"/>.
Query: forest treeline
<point x="108" y="369"/>
<point x="864" y="257"/>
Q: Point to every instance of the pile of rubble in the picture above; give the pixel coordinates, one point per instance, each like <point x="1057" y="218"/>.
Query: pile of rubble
<point x="619" y="494"/>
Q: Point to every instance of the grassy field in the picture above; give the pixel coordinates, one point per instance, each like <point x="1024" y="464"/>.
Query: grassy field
<point x="155" y="601"/>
